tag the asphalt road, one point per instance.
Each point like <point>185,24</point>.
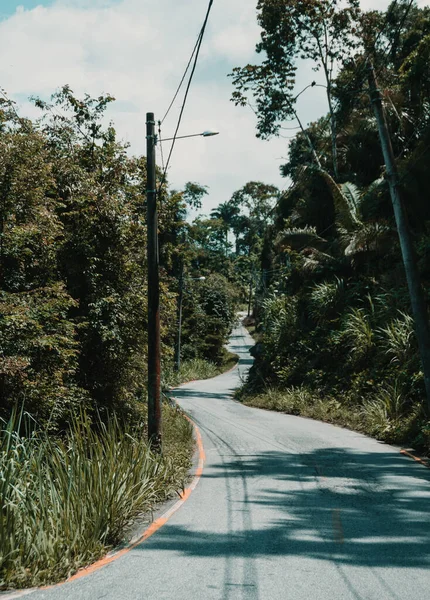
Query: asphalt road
<point>287,508</point>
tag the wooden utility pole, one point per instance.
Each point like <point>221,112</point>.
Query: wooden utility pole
<point>154,353</point>
<point>419,307</point>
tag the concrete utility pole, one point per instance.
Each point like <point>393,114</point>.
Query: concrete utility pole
<point>251,281</point>
<point>419,307</point>
<point>154,353</point>
<point>179,330</point>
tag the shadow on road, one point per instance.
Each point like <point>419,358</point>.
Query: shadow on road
<point>360,513</point>
<point>187,393</point>
<point>340,505</point>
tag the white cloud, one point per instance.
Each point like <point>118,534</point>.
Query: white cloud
<point>137,50</point>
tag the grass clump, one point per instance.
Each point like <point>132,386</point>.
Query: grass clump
<point>301,401</point>
<point>389,416</point>
<point>196,369</point>
<point>386,414</point>
<point>64,502</point>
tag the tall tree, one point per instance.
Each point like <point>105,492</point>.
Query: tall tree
<point>322,31</point>
<point>256,201</point>
<point>226,213</point>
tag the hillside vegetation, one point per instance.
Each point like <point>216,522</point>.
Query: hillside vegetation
<point>332,310</point>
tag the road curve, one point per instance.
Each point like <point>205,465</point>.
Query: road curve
<point>287,508</point>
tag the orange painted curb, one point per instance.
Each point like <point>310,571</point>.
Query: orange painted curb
<point>158,523</point>
<point>149,531</point>
<point>416,458</point>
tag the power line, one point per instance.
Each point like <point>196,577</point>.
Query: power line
<point>182,80</point>
<point>196,56</point>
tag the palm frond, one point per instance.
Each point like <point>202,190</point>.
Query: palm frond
<point>299,238</point>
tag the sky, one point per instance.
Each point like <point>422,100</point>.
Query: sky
<point>137,50</point>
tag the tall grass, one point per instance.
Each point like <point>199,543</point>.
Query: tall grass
<point>388,414</point>
<point>358,333</point>
<point>196,368</point>
<point>302,401</point>
<point>64,502</point>
<point>398,338</point>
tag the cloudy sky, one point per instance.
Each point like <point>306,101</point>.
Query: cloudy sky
<point>137,51</point>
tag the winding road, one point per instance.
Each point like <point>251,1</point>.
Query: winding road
<point>286,508</point>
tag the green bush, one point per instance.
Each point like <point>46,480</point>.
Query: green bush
<point>39,354</point>
<point>64,502</point>
<point>398,338</point>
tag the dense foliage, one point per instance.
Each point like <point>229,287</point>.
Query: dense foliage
<point>332,306</point>
<point>75,466</point>
<point>73,306</point>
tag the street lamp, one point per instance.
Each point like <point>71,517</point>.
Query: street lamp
<point>154,345</point>
<point>179,332</point>
<point>208,133</point>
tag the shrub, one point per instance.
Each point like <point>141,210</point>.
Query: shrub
<point>64,502</point>
<point>398,338</point>
<point>326,300</point>
<point>358,333</point>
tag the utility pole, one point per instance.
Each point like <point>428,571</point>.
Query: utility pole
<point>419,307</point>
<point>179,331</point>
<point>251,278</point>
<point>154,353</point>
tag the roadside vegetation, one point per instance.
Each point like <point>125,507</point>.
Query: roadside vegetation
<point>66,500</point>
<point>195,369</point>
<point>75,467</point>
<point>331,310</point>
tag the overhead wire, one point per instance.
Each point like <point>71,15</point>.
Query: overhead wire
<point>196,57</point>
<point>182,80</point>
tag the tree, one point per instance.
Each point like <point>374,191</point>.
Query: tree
<point>39,347</point>
<point>226,213</point>
<point>255,201</point>
<point>318,30</point>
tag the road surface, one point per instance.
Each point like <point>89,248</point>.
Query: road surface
<point>286,508</point>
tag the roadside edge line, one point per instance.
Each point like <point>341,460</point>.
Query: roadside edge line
<point>422,461</point>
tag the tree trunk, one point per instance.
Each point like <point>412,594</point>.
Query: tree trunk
<point>333,127</point>
<point>419,307</point>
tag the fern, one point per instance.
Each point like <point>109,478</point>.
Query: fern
<point>326,299</point>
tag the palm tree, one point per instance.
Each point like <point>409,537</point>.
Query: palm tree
<point>358,238</point>
<point>225,212</point>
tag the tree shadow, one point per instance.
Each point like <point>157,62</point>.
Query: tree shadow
<point>243,349</point>
<point>186,393</point>
<point>355,508</point>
